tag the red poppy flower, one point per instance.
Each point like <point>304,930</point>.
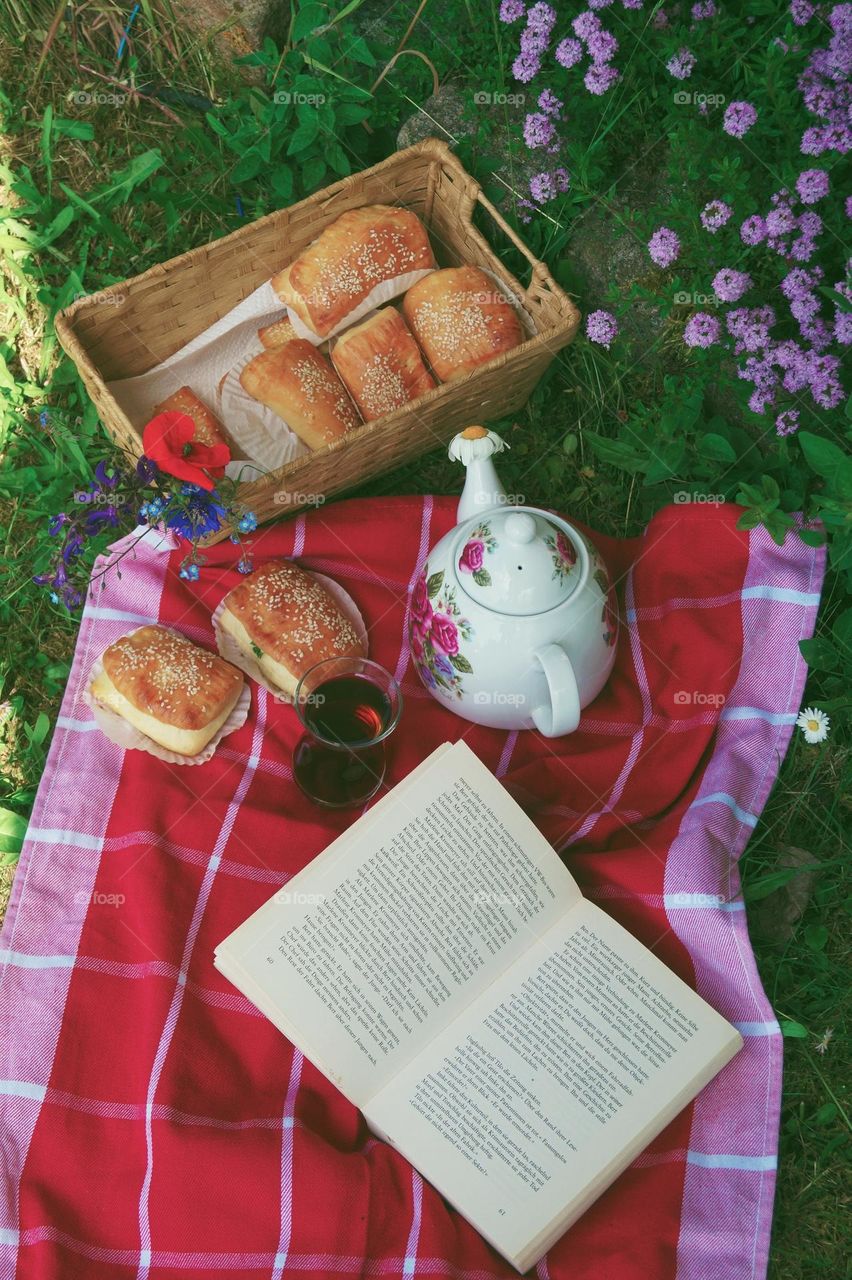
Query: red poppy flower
<point>168,441</point>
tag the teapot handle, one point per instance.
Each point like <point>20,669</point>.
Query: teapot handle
<point>562,713</point>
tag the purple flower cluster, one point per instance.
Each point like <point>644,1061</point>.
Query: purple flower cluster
<point>535,40</point>
<point>801,11</point>
<point>702,330</point>
<point>703,9</point>
<point>681,64</point>
<point>601,327</point>
<point>730,285</point>
<point>591,38</point>
<point>714,215</point>
<point>739,118</point>
<point>540,131</point>
<point>568,52</point>
<point>826,91</point>
<point>546,186</point>
<point>664,247</point>
<point>753,231</point>
<point>787,422</point>
<point>511,10</point>
<point>812,185</point>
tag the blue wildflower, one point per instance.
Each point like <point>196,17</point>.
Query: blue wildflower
<point>107,479</point>
<point>201,513</point>
<point>248,523</point>
<point>146,469</point>
<point>244,565</point>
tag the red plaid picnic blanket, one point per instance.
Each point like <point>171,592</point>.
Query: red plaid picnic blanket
<point>155,1125</point>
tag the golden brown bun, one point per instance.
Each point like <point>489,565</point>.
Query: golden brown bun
<point>208,429</point>
<point>277,333</point>
<point>380,364</point>
<point>460,319</point>
<point>298,383</point>
<point>286,622</point>
<point>358,251</point>
<point>169,688</point>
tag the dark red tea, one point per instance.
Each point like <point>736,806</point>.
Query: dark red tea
<point>344,710</point>
<point>348,709</point>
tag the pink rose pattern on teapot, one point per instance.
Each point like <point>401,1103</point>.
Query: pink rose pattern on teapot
<point>472,558</point>
<point>563,553</point>
<point>437,629</point>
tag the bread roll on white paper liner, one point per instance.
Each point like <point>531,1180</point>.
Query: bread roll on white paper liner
<point>124,734</point>
<point>231,651</point>
<point>260,433</point>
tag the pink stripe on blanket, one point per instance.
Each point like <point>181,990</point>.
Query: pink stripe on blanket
<point>726,1221</point>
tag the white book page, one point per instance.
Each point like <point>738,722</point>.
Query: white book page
<point>417,911</point>
<point>526,1107</point>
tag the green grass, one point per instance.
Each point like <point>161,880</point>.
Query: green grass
<point>189,199</point>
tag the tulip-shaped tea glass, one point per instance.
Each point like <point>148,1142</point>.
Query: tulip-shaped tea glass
<point>348,707</point>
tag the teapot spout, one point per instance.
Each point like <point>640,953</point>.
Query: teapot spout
<point>482,488</point>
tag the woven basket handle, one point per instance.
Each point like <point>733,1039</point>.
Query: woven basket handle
<point>540,274</point>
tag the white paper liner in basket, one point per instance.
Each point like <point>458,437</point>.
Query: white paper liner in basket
<point>231,651</point>
<point>124,734</point>
<point>257,429</point>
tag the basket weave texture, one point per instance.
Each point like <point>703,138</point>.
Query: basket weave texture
<point>153,315</point>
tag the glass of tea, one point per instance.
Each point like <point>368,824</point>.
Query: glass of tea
<point>348,707</point>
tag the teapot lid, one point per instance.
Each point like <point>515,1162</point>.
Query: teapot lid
<point>518,560</point>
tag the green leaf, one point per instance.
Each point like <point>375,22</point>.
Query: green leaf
<point>482,577</point>
<point>460,663</point>
<point>257,651</point>
<point>54,229</point>
<point>13,828</point>
<point>812,537</point>
<point>303,135</point>
<point>282,181</point>
<point>127,179</point>
<point>313,172</point>
<point>36,733</point>
<point>247,167</point>
<point>348,113</point>
<point>433,584</point>
<point>825,1114</point>
<point>615,452</point>
<point>359,50</point>
<point>46,126</point>
<point>74,129</point>
<point>819,653</point>
<point>816,936</point>
<point>716,448</point>
<point>309,17</point>
<point>338,159</point>
<point>823,456</point>
<point>793,1030</point>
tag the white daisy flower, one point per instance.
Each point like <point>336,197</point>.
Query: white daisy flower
<point>475,443</point>
<point>814,724</point>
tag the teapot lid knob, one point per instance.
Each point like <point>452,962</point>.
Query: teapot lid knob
<point>520,527</point>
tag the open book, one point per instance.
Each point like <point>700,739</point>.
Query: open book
<point>439,964</point>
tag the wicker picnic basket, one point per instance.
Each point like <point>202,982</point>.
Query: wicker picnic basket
<point>153,315</point>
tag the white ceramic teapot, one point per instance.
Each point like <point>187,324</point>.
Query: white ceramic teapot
<point>513,621</point>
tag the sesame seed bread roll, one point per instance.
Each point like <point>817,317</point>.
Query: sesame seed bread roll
<point>168,688</point>
<point>365,257</point>
<point>298,383</point>
<point>380,364</point>
<point>286,621</point>
<point>208,429</point>
<point>461,320</point>
<point>276,334</point>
